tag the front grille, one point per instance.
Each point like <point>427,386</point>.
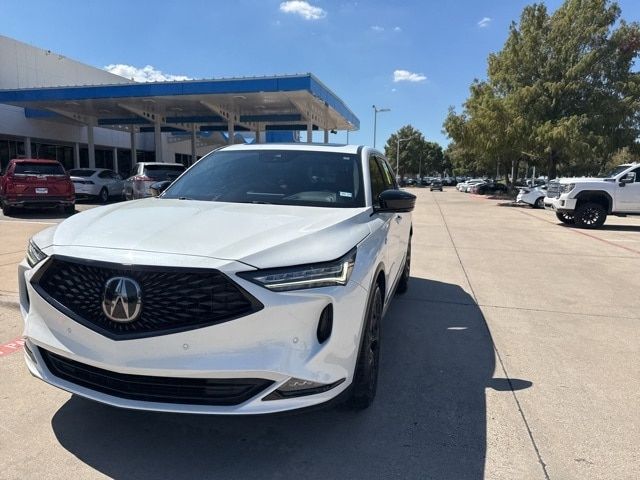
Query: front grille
<point>194,391</point>
<point>173,299</point>
<point>553,189</point>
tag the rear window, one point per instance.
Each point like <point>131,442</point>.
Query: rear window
<point>81,172</point>
<point>163,172</point>
<point>26,168</point>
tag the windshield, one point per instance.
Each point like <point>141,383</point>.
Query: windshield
<point>617,170</point>
<point>27,168</point>
<point>282,177</point>
<point>83,172</point>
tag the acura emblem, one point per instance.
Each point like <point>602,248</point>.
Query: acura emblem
<point>122,299</point>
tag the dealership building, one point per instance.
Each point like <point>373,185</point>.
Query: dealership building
<point>57,108</point>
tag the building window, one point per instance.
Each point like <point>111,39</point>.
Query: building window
<point>10,149</point>
<point>48,151</point>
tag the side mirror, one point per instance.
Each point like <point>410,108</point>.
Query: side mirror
<point>396,201</point>
<point>628,178</point>
<point>159,187</point>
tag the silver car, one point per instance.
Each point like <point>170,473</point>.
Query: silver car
<point>145,174</point>
<point>99,183</point>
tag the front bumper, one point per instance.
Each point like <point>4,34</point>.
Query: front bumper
<point>275,344</point>
<point>560,204</point>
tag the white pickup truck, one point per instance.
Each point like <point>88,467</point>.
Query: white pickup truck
<point>586,202</point>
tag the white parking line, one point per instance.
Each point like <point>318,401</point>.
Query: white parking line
<point>28,221</point>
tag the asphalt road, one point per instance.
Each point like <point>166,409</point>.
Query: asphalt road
<point>514,355</point>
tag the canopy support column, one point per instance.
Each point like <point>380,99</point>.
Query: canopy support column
<point>257,133</point>
<point>194,157</point>
<point>232,131</point>
<point>134,153</point>
<point>326,136</point>
<point>309,132</point>
<point>157,137</point>
<point>76,155</point>
<point>27,147</point>
<point>91,147</point>
<point>115,159</point>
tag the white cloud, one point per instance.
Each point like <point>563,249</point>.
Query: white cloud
<point>397,29</point>
<point>304,9</point>
<point>145,74</point>
<point>377,28</point>
<point>393,89</point>
<point>484,22</point>
<point>407,76</point>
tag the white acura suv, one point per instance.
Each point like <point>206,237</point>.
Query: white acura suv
<point>255,283</point>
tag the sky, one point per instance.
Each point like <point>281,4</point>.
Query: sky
<point>415,57</point>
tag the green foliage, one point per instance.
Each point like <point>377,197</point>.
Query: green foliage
<point>417,155</point>
<point>560,94</point>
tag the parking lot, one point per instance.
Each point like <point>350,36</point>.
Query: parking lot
<point>514,354</point>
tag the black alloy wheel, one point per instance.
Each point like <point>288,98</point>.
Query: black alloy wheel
<point>590,215</point>
<point>403,284</point>
<point>365,381</point>
<point>566,218</point>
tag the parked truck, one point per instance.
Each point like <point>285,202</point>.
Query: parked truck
<point>586,202</point>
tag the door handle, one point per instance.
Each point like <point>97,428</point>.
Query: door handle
<point>398,219</point>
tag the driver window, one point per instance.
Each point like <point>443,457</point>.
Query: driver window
<point>390,184</point>
<point>637,174</point>
<point>377,181</point>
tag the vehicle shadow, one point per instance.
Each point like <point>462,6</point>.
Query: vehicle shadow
<point>428,420</point>
<point>38,214</point>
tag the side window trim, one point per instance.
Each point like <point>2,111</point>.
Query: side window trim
<point>387,173</point>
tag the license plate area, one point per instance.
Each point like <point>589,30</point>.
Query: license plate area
<point>42,191</point>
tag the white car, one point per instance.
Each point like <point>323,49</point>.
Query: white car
<point>254,283</point>
<point>470,183</point>
<point>532,195</point>
<point>99,183</point>
<point>145,174</point>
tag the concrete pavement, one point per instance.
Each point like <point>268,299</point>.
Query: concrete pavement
<point>514,354</point>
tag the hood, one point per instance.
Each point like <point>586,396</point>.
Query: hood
<point>263,236</point>
<point>580,180</point>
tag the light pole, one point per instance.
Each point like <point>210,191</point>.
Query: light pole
<point>398,142</point>
<point>376,110</point>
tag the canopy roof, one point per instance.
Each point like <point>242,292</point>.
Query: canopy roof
<point>291,102</point>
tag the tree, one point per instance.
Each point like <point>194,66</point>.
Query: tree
<point>417,155</point>
<point>561,91</point>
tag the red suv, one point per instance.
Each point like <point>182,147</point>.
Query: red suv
<point>36,183</point>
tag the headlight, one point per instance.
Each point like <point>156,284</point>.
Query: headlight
<point>336,272</point>
<point>34,254</point>
<point>567,187</point>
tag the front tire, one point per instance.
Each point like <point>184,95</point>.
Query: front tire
<point>403,284</point>
<point>590,215</point>
<point>365,377</point>
<point>566,218</point>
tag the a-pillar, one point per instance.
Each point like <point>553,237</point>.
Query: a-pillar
<point>91,147</point>
<point>309,132</point>
<point>134,152</point>
<point>76,155</point>
<point>115,159</point>
<point>231,129</point>
<point>27,147</point>
<point>157,137</point>
<point>193,144</point>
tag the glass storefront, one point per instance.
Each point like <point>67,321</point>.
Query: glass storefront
<point>10,149</point>
<point>47,151</point>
